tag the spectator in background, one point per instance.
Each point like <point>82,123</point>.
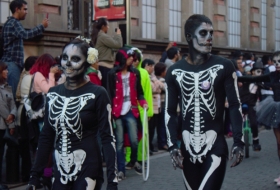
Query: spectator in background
<point>43,72</point>
<point>173,55</point>
<point>93,73</point>
<point>7,113</point>
<point>164,54</point>
<point>157,87</point>
<point>248,62</point>
<point>105,45</point>
<point>13,35</point>
<point>268,68</point>
<point>125,91</point>
<point>160,72</point>
<point>148,96</point>
<point>25,129</point>
<point>29,62</point>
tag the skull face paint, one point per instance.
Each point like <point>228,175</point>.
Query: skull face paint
<point>202,39</point>
<point>276,61</point>
<point>73,61</point>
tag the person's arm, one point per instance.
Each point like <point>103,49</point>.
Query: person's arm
<point>262,78</point>
<point>171,102</point>
<point>20,32</point>
<point>140,93</point>
<point>148,95</point>
<point>163,57</point>
<point>115,42</point>
<point>103,109</point>
<point>45,147</point>
<point>42,83</point>
<point>231,89</point>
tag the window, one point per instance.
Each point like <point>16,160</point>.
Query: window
<point>149,19</point>
<point>277,25</point>
<point>263,25</point>
<point>198,6</point>
<point>175,20</point>
<point>234,23</point>
<point>4,10</point>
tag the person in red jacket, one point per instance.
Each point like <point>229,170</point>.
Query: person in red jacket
<point>125,91</point>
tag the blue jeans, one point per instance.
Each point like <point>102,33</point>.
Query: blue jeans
<point>14,72</point>
<point>130,122</point>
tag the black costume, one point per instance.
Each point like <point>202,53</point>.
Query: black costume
<point>201,91</point>
<point>72,120</point>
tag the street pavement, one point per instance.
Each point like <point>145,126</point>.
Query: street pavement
<point>254,173</point>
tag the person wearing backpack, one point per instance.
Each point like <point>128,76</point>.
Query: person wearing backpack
<point>13,35</point>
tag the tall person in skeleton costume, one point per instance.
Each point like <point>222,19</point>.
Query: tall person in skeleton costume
<point>201,82</point>
<point>75,111</point>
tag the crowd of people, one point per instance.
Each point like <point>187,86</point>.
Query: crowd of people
<point>94,100</point>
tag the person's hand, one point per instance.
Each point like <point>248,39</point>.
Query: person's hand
<point>54,69</point>
<point>145,106</point>
<point>119,31</point>
<point>12,131</point>
<point>45,22</point>
<point>169,46</point>
<point>10,119</point>
<point>239,154</point>
<point>176,158</point>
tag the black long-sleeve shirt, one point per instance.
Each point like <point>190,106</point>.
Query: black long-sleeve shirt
<point>72,120</point>
<point>200,91</point>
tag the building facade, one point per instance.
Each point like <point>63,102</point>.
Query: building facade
<point>247,25</point>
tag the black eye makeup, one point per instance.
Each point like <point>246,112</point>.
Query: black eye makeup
<point>75,58</point>
<point>203,32</point>
<point>64,57</point>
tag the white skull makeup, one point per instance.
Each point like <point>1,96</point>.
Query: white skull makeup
<point>202,38</point>
<point>257,72</point>
<point>72,61</point>
<point>276,61</point>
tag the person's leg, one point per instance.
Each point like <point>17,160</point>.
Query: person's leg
<point>213,171</point>
<point>14,72</point>
<point>162,139</point>
<point>131,124</point>
<point>277,135</point>
<point>119,144</point>
<point>254,126</point>
<point>24,152</point>
<point>152,126</point>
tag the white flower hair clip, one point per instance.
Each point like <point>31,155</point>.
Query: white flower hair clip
<point>87,40</point>
<point>92,55</point>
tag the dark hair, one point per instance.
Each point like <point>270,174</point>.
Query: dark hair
<point>43,65</point>
<point>236,54</point>
<point>247,56</point>
<point>171,52</point>
<point>266,58</point>
<point>159,68</point>
<point>193,23</point>
<point>121,57</point>
<point>147,62</point>
<point>138,56</point>
<point>97,25</point>
<point>3,66</point>
<point>276,53</point>
<point>29,62</point>
<point>16,4</point>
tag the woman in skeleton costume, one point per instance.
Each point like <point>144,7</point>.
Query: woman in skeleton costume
<point>75,111</point>
<point>201,82</point>
<point>269,109</point>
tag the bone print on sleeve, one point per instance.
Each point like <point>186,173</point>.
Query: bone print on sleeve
<point>107,137</point>
<point>171,102</point>
<point>230,85</point>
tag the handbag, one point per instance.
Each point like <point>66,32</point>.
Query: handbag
<point>11,138</point>
<point>34,103</point>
